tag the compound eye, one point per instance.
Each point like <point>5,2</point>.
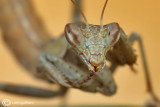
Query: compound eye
<point>73,34</point>
<point>113,33</point>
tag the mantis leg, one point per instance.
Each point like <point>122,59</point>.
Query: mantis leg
<point>135,37</point>
<point>122,53</point>
<point>32,91</point>
<point>70,75</point>
<point>62,72</point>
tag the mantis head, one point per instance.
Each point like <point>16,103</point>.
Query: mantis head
<point>92,41</point>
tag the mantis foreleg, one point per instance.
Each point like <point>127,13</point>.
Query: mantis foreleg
<point>123,53</point>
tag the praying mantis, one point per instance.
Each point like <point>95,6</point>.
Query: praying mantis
<point>78,58</point>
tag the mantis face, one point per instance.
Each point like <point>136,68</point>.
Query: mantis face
<point>92,42</point>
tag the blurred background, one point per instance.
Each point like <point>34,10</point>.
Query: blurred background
<point>141,16</point>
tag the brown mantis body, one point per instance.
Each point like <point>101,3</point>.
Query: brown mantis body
<point>84,69</point>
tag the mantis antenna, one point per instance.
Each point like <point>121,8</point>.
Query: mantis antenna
<point>101,20</point>
<point>80,12</point>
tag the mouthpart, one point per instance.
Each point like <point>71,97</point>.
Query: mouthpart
<point>94,66</point>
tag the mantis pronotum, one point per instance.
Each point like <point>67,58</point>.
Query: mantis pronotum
<point>94,45</point>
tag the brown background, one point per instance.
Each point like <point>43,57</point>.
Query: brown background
<point>141,16</point>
